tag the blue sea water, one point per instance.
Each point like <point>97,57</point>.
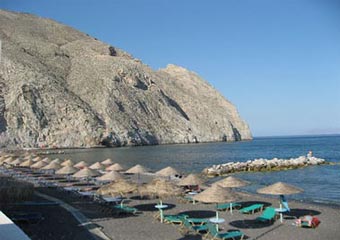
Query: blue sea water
<point>320,183</point>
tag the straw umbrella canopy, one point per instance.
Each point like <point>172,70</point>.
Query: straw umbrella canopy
<point>137,169</point>
<point>36,159</point>
<point>115,167</point>
<point>231,182</point>
<point>57,160</point>
<point>16,162</point>
<point>67,162</point>
<point>46,160</point>
<point>80,164</point>
<point>107,162</point>
<point>110,176</point>
<point>280,188</point>
<point>26,163</point>
<point>86,173</point>
<point>8,160</point>
<point>119,187</point>
<point>97,166</point>
<point>190,180</point>
<point>167,172</point>
<point>163,189</point>
<point>67,170</point>
<point>52,166</point>
<point>38,165</point>
<point>217,194</point>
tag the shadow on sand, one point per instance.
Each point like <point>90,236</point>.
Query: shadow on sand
<point>199,214</point>
<point>151,207</point>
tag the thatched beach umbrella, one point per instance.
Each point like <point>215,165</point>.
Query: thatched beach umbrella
<point>26,163</point>
<point>38,165</point>
<point>86,173</point>
<point>190,180</point>
<point>167,172</point>
<point>67,170</point>
<point>16,162</point>
<point>9,160</point>
<point>281,189</point>
<point>110,176</point>
<point>217,194</point>
<point>137,169</point>
<point>119,187</point>
<point>67,162</point>
<point>36,159</point>
<point>97,166</point>
<point>231,182</point>
<point>107,162</point>
<point>57,160</point>
<point>52,166</point>
<point>46,160</point>
<point>80,164</point>
<point>115,167</point>
<point>163,189</point>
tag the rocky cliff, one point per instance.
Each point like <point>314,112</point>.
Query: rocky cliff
<point>62,88</point>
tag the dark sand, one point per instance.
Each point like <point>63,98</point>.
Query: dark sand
<point>59,224</point>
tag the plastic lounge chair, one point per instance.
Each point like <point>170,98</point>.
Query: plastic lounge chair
<point>212,231</point>
<point>252,208</point>
<point>175,219</point>
<point>196,228</point>
<point>268,215</point>
<point>226,206</point>
<point>198,221</point>
<point>125,209</point>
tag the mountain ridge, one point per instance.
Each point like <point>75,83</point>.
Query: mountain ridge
<point>62,88</point>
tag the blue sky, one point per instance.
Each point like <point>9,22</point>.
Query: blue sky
<point>278,61</point>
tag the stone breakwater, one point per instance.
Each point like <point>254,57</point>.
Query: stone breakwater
<point>261,164</point>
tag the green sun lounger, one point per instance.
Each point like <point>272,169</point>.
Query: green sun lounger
<point>198,221</point>
<point>191,227</point>
<point>176,219</point>
<point>226,206</point>
<point>125,209</point>
<point>252,208</point>
<point>212,231</point>
<point>268,215</point>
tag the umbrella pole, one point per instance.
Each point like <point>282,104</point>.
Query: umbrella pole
<point>231,208</point>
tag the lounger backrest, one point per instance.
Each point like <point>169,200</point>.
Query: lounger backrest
<point>212,229</point>
<point>269,212</point>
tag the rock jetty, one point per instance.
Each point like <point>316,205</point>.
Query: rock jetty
<point>259,165</point>
<point>61,88</point>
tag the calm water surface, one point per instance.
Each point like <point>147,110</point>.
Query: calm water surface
<point>321,183</point>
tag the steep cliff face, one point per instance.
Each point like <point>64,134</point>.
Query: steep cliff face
<point>62,88</point>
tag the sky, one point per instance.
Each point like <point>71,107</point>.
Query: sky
<point>278,61</point>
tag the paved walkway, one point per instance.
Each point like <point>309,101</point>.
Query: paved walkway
<point>85,222</point>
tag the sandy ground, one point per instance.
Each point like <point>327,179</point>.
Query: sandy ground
<point>59,224</point>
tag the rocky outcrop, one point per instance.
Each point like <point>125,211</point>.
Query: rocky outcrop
<point>63,88</point>
<point>258,165</point>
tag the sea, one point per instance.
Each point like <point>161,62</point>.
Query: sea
<point>321,184</point>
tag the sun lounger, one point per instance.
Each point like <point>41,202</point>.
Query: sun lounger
<point>226,206</point>
<point>125,209</point>
<point>268,215</point>
<point>196,228</point>
<point>252,208</point>
<point>212,231</point>
<point>198,221</point>
<point>175,219</point>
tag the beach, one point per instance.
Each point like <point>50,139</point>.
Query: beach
<point>145,226</point>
